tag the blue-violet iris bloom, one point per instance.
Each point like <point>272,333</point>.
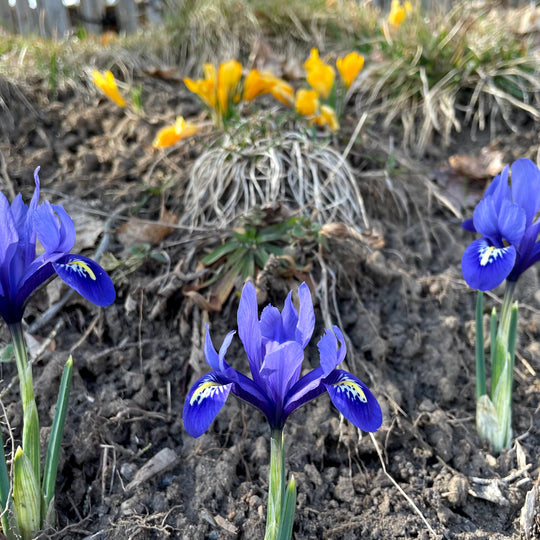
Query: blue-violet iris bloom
<point>22,272</point>
<point>275,349</point>
<point>505,218</point>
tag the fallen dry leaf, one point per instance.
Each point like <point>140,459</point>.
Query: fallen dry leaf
<point>487,164</point>
<point>138,231</point>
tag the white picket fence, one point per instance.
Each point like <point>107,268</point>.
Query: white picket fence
<point>51,18</point>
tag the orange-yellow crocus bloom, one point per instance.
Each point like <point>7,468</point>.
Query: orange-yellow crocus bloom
<point>307,102</point>
<point>205,88</point>
<point>170,135</point>
<point>228,81</point>
<point>349,67</point>
<point>321,78</point>
<point>106,83</point>
<point>327,117</point>
<point>313,61</point>
<point>398,13</point>
<point>257,84</point>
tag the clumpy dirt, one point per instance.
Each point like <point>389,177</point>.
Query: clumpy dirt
<point>129,470</point>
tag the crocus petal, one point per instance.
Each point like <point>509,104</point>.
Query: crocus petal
<point>353,400</point>
<point>306,316</point>
<point>330,356</point>
<point>526,187</point>
<point>204,401</point>
<point>249,330</point>
<point>511,222</point>
<point>87,278</point>
<point>484,266</point>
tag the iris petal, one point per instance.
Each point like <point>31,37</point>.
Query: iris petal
<point>281,369</point>
<point>511,222</point>
<point>306,318</point>
<point>330,356</point>
<point>353,400</point>
<point>87,278</point>
<point>54,231</point>
<point>485,219</point>
<point>249,329</point>
<point>484,266</point>
<point>526,187</point>
<point>204,401</point>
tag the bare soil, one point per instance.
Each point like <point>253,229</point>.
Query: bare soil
<point>407,313</point>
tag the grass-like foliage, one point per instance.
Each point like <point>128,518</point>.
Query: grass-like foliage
<point>262,162</point>
<point>439,71</point>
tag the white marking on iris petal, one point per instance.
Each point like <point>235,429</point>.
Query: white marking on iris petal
<point>81,268</point>
<point>206,390</point>
<point>489,254</point>
<point>352,389</point>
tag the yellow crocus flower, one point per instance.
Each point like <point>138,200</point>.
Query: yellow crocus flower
<point>170,135</point>
<point>106,83</point>
<point>398,13</point>
<point>228,81</point>
<point>327,117</point>
<point>313,61</point>
<point>283,92</point>
<point>204,88</point>
<point>321,78</point>
<point>307,102</point>
<point>254,85</point>
<point>349,67</point>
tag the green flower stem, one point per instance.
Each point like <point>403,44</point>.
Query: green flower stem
<point>30,439</point>
<point>24,368</point>
<point>281,497</point>
<point>276,485</point>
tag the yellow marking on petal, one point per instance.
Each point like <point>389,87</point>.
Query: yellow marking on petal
<point>354,387</point>
<point>486,255</point>
<point>84,267</point>
<point>202,389</point>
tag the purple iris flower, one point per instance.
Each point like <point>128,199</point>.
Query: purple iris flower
<point>22,272</point>
<point>505,218</point>
<point>275,349</point>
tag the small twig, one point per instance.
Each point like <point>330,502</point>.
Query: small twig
<point>399,488</point>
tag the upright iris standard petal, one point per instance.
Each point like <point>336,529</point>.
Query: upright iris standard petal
<point>526,187</point>
<point>87,278</point>
<point>204,401</point>
<point>22,271</point>
<point>353,400</point>
<point>275,348</point>
<point>505,218</point>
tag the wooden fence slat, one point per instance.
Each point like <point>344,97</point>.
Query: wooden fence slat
<point>6,16</point>
<point>27,19</point>
<point>126,12</point>
<point>92,13</point>
<point>55,16</point>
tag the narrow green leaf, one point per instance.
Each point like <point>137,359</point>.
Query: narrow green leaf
<point>492,337</point>
<point>219,252</point>
<point>26,495</point>
<point>11,530</point>
<point>480,357</point>
<point>287,515</point>
<point>57,430</point>
<point>30,438</point>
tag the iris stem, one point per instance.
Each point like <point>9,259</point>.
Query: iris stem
<point>276,484</point>
<point>30,436</point>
